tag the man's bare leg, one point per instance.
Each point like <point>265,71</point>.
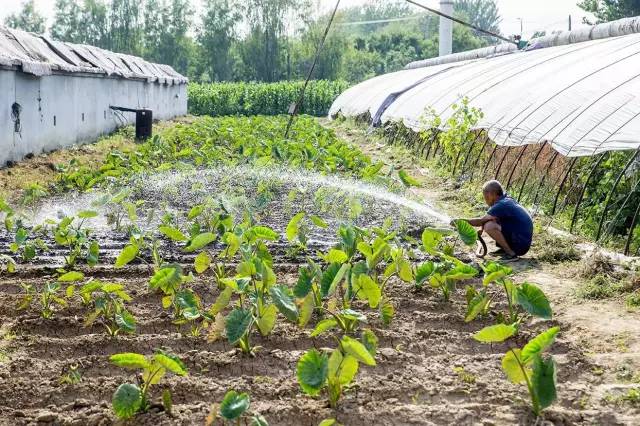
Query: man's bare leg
<point>495,231</point>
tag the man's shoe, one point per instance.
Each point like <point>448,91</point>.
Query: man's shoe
<point>499,252</point>
<point>509,258</point>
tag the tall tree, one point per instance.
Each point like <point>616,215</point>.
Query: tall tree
<point>68,24</point>
<point>28,19</point>
<point>610,10</point>
<point>95,24</point>
<point>216,36</point>
<point>125,30</point>
<point>481,13</point>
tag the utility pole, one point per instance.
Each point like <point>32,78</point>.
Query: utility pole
<point>521,26</point>
<point>446,28</point>
<point>569,22</point>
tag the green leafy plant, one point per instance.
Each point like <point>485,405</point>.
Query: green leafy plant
<point>527,365</point>
<point>234,408</point>
<point>47,300</point>
<point>130,399</point>
<point>524,297</point>
<point>336,371</point>
<point>71,233</point>
<point>107,301</point>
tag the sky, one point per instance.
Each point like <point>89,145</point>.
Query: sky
<point>536,15</point>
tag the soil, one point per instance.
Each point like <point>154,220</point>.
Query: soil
<point>430,370</point>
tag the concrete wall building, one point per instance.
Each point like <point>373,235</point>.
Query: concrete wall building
<point>55,94</point>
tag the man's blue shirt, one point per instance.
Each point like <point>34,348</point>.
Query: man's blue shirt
<point>516,223</point>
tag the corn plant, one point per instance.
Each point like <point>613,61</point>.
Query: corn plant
<point>527,365</point>
<point>334,372</point>
<point>107,301</point>
<point>130,399</point>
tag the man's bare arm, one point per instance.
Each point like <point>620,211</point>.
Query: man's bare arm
<point>480,221</point>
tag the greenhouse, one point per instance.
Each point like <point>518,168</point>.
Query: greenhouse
<point>58,94</point>
<point>573,94</point>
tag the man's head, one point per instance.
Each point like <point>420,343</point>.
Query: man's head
<point>492,192</point>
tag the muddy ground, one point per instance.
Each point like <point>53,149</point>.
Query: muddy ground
<point>430,370</point>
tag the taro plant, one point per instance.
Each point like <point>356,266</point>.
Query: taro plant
<point>71,233</point>
<point>521,298</point>
<point>234,408</point>
<point>130,399</point>
<point>298,228</point>
<point>335,372</point>
<point>47,301</point>
<point>25,246</point>
<point>446,270</point>
<point>107,301</point>
<point>527,365</point>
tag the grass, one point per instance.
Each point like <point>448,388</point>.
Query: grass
<point>554,249</point>
<point>604,279</point>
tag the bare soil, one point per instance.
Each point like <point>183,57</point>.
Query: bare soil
<point>430,370</point>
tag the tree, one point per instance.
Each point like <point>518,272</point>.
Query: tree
<point>95,24</point>
<point>68,22</point>
<point>216,37</point>
<point>28,19</point>
<point>125,29</point>
<point>610,10</point>
<point>481,13</point>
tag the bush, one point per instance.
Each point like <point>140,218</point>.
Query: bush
<point>220,99</point>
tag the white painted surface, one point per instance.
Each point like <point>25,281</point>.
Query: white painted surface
<point>446,28</point>
<point>67,97</point>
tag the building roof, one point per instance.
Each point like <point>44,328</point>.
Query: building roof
<point>39,55</point>
<point>582,98</point>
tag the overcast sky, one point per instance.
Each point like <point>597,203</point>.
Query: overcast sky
<point>537,15</point>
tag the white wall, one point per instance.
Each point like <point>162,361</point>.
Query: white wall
<point>67,98</point>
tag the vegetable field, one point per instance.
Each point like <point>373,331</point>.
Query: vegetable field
<point>220,274</point>
<point>220,99</point>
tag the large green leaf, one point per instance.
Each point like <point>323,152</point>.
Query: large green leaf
<point>370,341</point>
<point>476,306</point>
<point>264,233</point>
<point>170,362</point>
<point>332,277</point>
<point>167,279</point>
<point>495,333</point>
<point>267,319</point>
<point>303,287</point>
<point>173,233</point>
<point>324,325</point>
<point>511,365</point>
<point>222,301</point>
<point>543,381</point>
<point>539,343</point>
<point>200,241</point>
<point>202,262</point>
<point>237,324</point>
<point>283,299</point>
<point>293,228</point>
<point>130,360</point>
<point>406,179</point>
<point>234,405</point>
<point>126,321</point>
<point>365,288</point>
<point>127,400</point>
<point>336,256</point>
<point>87,214</point>
<point>424,271</point>
<point>356,349</point>
<point>467,233</point>
<point>127,254</point>
<point>69,277</point>
<point>312,371</point>
<point>343,369</point>
<point>462,272</point>
<point>430,240</point>
<point>534,301</point>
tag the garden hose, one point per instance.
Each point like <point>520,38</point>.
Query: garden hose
<point>481,250</point>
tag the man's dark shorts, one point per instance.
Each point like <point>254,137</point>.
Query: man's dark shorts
<point>516,224</point>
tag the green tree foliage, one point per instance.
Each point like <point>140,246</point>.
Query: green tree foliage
<point>28,19</point>
<point>481,13</point>
<point>216,37</point>
<point>610,10</point>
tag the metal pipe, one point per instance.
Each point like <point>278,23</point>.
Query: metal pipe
<point>584,190</point>
<point>486,168</point>
<point>613,190</point>
<point>564,180</point>
<point>627,246</point>
<point>504,157</point>
<point>526,176</point>
<point>473,144</point>
<point>477,160</point>
<point>544,176</point>
<point>626,200</point>
<point>515,166</point>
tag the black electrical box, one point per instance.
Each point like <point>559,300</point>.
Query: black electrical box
<point>144,123</point>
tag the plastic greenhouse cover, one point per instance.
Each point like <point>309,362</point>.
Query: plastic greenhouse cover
<point>39,55</point>
<point>581,98</point>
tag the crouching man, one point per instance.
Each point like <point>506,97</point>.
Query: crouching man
<point>507,222</point>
